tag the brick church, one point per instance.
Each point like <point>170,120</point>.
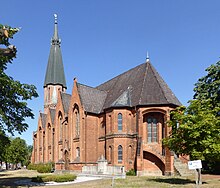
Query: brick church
<point>123,119</point>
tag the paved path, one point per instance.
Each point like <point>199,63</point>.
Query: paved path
<point>28,182</point>
<point>23,178</point>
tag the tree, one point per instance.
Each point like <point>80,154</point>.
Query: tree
<point>17,152</point>
<point>4,143</point>
<point>196,128</point>
<point>28,156</point>
<point>13,94</point>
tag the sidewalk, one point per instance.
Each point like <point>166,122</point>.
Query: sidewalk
<point>28,182</point>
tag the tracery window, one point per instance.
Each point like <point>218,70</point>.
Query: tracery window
<point>120,154</point>
<point>152,130</point>
<point>76,121</point>
<point>119,122</point>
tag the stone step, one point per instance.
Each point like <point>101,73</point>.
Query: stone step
<point>182,168</point>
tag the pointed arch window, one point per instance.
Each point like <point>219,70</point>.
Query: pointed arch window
<point>152,130</point>
<point>119,122</point>
<point>53,140</point>
<point>49,134</point>
<point>41,137</point>
<point>77,152</point>
<point>60,127</point>
<point>120,154</point>
<point>110,154</point>
<point>77,123</point>
<point>130,152</point>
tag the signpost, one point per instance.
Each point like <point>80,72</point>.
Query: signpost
<point>197,165</point>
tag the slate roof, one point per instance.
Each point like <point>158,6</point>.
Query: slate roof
<point>141,85</point>
<point>55,71</point>
<point>124,99</point>
<point>91,98</point>
<point>146,87</point>
<point>52,114</point>
<point>66,101</point>
<point>43,118</point>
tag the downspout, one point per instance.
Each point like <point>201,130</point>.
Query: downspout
<point>137,116</point>
<point>105,137</point>
<point>85,137</point>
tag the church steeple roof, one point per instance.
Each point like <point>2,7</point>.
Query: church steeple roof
<point>55,71</point>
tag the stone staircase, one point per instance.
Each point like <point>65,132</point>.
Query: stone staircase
<point>157,152</point>
<point>181,168</point>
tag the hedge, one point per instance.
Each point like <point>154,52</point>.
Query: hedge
<point>55,178</point>
<point>41,168</point>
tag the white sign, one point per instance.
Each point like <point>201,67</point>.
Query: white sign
<point>194,164</point>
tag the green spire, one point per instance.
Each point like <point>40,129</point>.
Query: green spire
<point>55,71</point>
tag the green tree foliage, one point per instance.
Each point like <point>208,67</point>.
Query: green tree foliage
<point>196,128</point>
<point>4,143</point>
<point>13,94</point>
<point>17,152</point>
<point>28,157</point>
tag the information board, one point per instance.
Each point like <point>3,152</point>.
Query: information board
<point>194,164</point>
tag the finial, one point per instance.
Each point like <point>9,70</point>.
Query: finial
<point>55,18</point>
<point>147,58</point>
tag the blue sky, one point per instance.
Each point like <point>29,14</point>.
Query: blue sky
<point>103,38</point>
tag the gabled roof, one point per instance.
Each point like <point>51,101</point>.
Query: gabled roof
<point>55,71</point>
<point>66,101</point>
<point>148,88</point>
<point>92,99</point>
<point>43,118</point>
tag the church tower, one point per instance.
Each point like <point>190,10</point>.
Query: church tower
<point>55,78</point>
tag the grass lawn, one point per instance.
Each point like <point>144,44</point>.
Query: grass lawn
<point>151,182</point>
<point>209,181</point>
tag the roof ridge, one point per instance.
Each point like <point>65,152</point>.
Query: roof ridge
<point>91,87</point>
<point>142,88</point>
<point>63,93</point>
<point>155,71</point>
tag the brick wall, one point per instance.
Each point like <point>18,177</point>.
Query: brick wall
<point>99,135</point>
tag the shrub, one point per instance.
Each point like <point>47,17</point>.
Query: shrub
<point>41,168</point>
<point>44,168</point>
<point>131,172</point>
<point>55,178</point>
<point>30,167</point>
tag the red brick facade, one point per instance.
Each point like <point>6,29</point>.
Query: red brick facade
<point>75,138</point>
